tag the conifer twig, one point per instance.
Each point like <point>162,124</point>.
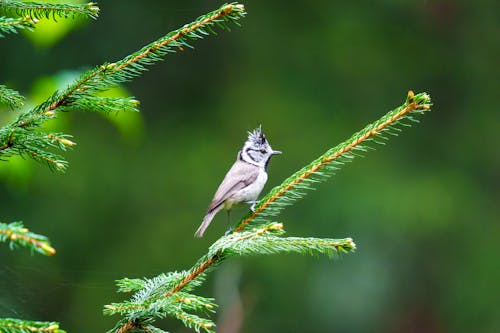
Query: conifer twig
<point>10,97</point>
<point>10,325</point>
<point>132,65</point>
<point>17,235</point>
<point>11,25</point>
<point>39,10</point>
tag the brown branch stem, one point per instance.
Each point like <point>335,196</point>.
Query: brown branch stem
<point>9,142</point>
<point>190,277</point>
<point>44,246</point>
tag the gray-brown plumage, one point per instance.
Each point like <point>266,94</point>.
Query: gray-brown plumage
<point>245,180</point>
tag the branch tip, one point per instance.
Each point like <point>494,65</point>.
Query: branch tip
<point>411,94</point>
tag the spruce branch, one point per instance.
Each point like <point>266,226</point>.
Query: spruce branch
<point>48,10</point>
<point>9,325</point>
<point>255,235</point>
<point>105,104</point>
<point>109,74</point>
<point>295,187</point>
<point>12,25</point>
<point>10,97</point>
<point>16,137</point>
<point>170,294</point>
<point>17,235</point>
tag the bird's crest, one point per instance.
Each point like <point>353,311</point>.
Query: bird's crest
<point>257,137</point>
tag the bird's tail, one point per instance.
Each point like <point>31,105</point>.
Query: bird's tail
<point>206,222</point>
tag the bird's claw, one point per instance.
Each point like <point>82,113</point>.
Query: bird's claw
<point>252,207</point>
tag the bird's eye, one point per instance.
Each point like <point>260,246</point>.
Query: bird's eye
<point>263,151</point>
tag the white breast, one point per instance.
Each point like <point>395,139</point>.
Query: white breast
<point>249,193</point>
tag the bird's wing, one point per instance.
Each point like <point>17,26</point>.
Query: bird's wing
<point>238,177</point>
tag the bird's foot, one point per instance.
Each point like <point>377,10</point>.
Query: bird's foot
<point>253,203</point>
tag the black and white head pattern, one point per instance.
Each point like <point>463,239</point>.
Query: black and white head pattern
<point>256,149</point>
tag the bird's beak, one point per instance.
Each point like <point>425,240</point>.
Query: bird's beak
<point>276,152</point>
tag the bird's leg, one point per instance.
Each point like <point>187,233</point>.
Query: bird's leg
<point>228,231</point>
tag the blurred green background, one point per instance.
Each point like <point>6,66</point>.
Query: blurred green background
<point>423,210</point>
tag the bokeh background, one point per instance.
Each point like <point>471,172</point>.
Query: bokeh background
<point>423,210</point>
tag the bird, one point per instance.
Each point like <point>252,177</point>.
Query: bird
<point>244,181</point>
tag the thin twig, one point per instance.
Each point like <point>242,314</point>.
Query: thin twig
<point>14,236</point>
<point>113,68</point>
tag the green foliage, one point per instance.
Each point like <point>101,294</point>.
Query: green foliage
<point>40,10</point>
<point>9,325</point>
<point>251,243</point>
<point>170,294</point>
<point>106,104</point>
<point>12,25</point>
<point>25,15</point>
<point>17,235</point>
<point>10,97</point>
